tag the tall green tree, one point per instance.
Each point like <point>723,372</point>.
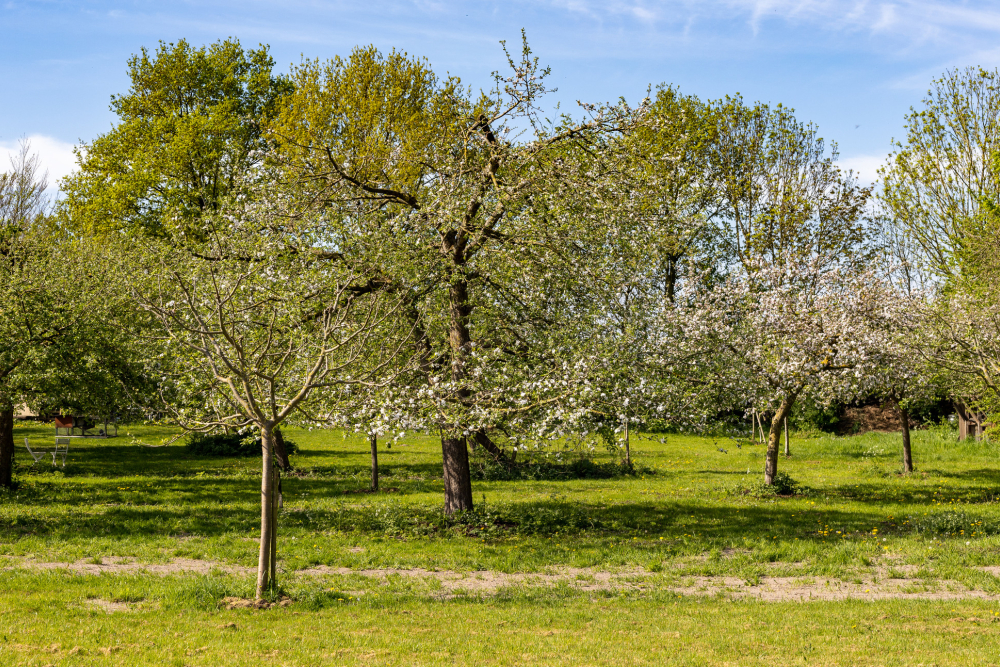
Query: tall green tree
<point>52,303</point>
<point>189,126</point>
<point>937,179</point>
<point>784,195</point>
<point>668,185</point>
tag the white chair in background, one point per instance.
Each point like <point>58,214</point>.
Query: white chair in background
<point>35,455</point>
<point>61,448</point>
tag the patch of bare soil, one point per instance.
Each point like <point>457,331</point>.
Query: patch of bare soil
<point>246,603</point>
<point>109,606</point>
<point>485,581</point>
<point>805,589</point>
<point>115,565</point>
<point>453,583</point>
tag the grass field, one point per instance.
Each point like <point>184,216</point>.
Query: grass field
<point>130,555</point>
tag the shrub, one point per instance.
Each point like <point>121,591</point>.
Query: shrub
<point>811,416</point>
<point>229,444</point>
<point>485,468</point>
<point>486,521</point>
<point>783,485</point>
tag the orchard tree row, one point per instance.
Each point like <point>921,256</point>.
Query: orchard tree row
<point>365,244</point>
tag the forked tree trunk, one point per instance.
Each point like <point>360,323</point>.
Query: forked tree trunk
<point>267,527</point>
<point>7,446</point>
<point>774,436</point>
<point>457,480</point>
<point>374,443</point>
<point>904,419</point>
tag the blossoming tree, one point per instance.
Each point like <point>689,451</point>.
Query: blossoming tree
<point>436,193</point>
<point>250,327</point>
<point>783,332</point>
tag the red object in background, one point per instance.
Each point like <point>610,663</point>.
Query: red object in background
<point>64,422</point>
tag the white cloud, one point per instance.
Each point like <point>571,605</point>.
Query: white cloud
<point>865,167</point>
<point>56,156</point>
<point>909,20</point>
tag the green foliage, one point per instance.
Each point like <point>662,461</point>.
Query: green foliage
<point>189,127</point>
<point>486,468</point>
<point>59,297</point>
<point>229,444</point>
<point>809,415</point>
<point>938,179</point>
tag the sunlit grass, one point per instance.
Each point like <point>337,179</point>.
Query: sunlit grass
<point>687,515</point>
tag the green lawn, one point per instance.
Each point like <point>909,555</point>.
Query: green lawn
<point>675,537</point>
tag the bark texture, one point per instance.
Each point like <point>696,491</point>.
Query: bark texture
<point>774,437</point>
<point>7,447</point>
<point>455,451</point>
<point>267,532</point>
<point>457,480</point>
<point>788,452</point>
<point>628,448</point>
<point>374,444</point>
<point>280,452</point>
<point>904,420</point>
<point>482,439</point>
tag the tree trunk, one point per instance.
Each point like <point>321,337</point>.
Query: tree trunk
<point>904,419</point>
<point>482,439</point>
<point>457,480</point>
<point>275,497</point>
<point>264,581</point>
<point>374,443</point>
<point>771,460</point>
<point>671,278</point>
<point>788,452</point>
<point>628,451</point>
<point>455,451</point>
<point>7,447</point>
<point>280,453</point>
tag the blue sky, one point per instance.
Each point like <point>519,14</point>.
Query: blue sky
<point>852,67</point>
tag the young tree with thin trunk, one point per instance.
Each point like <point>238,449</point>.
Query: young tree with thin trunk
<point>251,328</point>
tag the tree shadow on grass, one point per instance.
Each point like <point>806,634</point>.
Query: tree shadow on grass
<point>225,509</point>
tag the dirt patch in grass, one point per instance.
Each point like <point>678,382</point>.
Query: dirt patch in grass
<point>488,582</point>
<point>805,589</point>
<point>109,606</point>
<point>883,418</point>
<point>479,583</point>
<point>115,565</point>
<point>247,603</point>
